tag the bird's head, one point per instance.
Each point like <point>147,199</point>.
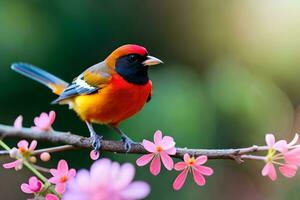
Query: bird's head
<point>131,62</point>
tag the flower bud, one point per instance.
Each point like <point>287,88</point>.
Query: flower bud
<point>32,159</point>
<point>45,156</point>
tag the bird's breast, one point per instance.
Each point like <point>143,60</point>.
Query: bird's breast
<point>114,103</point>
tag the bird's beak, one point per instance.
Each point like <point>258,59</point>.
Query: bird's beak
<point>152,61</point>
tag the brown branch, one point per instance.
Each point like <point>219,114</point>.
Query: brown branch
<point>73,141</point>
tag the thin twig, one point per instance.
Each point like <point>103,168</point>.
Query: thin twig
<point>42,169</point>
<point>49,150</point>
<point>72,141</point>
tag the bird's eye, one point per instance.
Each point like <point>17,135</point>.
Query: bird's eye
<point>133,58</point>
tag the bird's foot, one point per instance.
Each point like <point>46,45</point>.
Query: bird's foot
<point>127,142</point>
<point>96,142</point>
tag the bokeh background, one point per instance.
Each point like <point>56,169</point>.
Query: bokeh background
<point>231,74</point>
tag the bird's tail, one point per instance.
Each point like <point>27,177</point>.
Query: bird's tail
<point>54,83</point>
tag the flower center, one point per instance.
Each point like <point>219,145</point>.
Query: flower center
<point>270,155</point>
<point>63,179</point>
<point>22,150</point>
<point>159,149</point>
<point>191,161</point>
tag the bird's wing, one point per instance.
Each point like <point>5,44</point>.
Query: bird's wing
<point>90,81</point>
<point>150,94</point>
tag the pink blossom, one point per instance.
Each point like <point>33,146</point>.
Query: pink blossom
<point>51,197</point>
<point>94,155</point>
<point>106,180</point>
<point>34,185</point>
<point>160,149</point>
<point>61,175</point>
<point>44,121</point>
<point>194,165</point>
<point>25,148</point>
<point>23,152</point>
<point>279,154</point>
<point>18,124</point>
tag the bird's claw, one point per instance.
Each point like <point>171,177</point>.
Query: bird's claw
<point>97,142</point>
<point>127,142</point>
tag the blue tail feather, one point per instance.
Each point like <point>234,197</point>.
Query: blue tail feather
<point>37,74</point>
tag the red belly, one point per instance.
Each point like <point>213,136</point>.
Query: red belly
<point>114,103</point>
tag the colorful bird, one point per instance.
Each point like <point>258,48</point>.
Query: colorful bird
<point>106,93</point>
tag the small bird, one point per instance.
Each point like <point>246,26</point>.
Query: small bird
<point>108,92</point>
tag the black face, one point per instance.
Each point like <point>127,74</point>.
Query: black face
<point>130,67</point>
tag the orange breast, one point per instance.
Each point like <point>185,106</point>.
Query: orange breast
<point>113,103</point>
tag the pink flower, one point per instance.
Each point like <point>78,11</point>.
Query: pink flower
<point>279,154</point>
<point>160,149</point>
<point>51,197</point>
<point>34,185</point>
<point>106,180</point>
<point>18,124</point>
<point>190,164</point>
<point>25,149</point>
<point>61,175</point>
<point>23,152</point>
<point>44,121</point>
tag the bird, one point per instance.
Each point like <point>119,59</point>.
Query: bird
<point>106,93</point>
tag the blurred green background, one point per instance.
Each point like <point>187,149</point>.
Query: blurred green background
<point>231,74</point>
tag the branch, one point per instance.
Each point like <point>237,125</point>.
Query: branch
<point>73,141</point>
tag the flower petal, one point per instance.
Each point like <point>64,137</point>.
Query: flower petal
<point>126,175</point>
<point>144,160</point>
<point>51,197</point>
<point>201,160</point>
<point>60,188</point>
<point>149,146</point>
<point>136,190</point>
<point>23,144</point>
<point>33,145</point>
<point>71,173</point>
<point>171,151</point>
<point>265,170</point>
<point>167,160</point>
<point>295,140</point>
<point>157,137</point>
<point>55,172</point>
<point>18,124</point>
<point>207,171</point>
<point>33,180</point>
<point>293,153</point>
<point>52,116</point>
<point>155,166</point>
<point>12,164</point>
<point>167,142</point>
<point>82,180</point>
<point>288,170</point>
<point>270,140</point>
<point>180,179</point>
<point>293,157</point>
<point>272,173</point>
<point>198,177</point>
<point>180,166</point>
<point>100,171</point>
<point>63,166</point>
<point>25,188</point>
<point>186,157</point>
<point>281,146</point>
<point>54,180</point>
<point>269,170</point>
